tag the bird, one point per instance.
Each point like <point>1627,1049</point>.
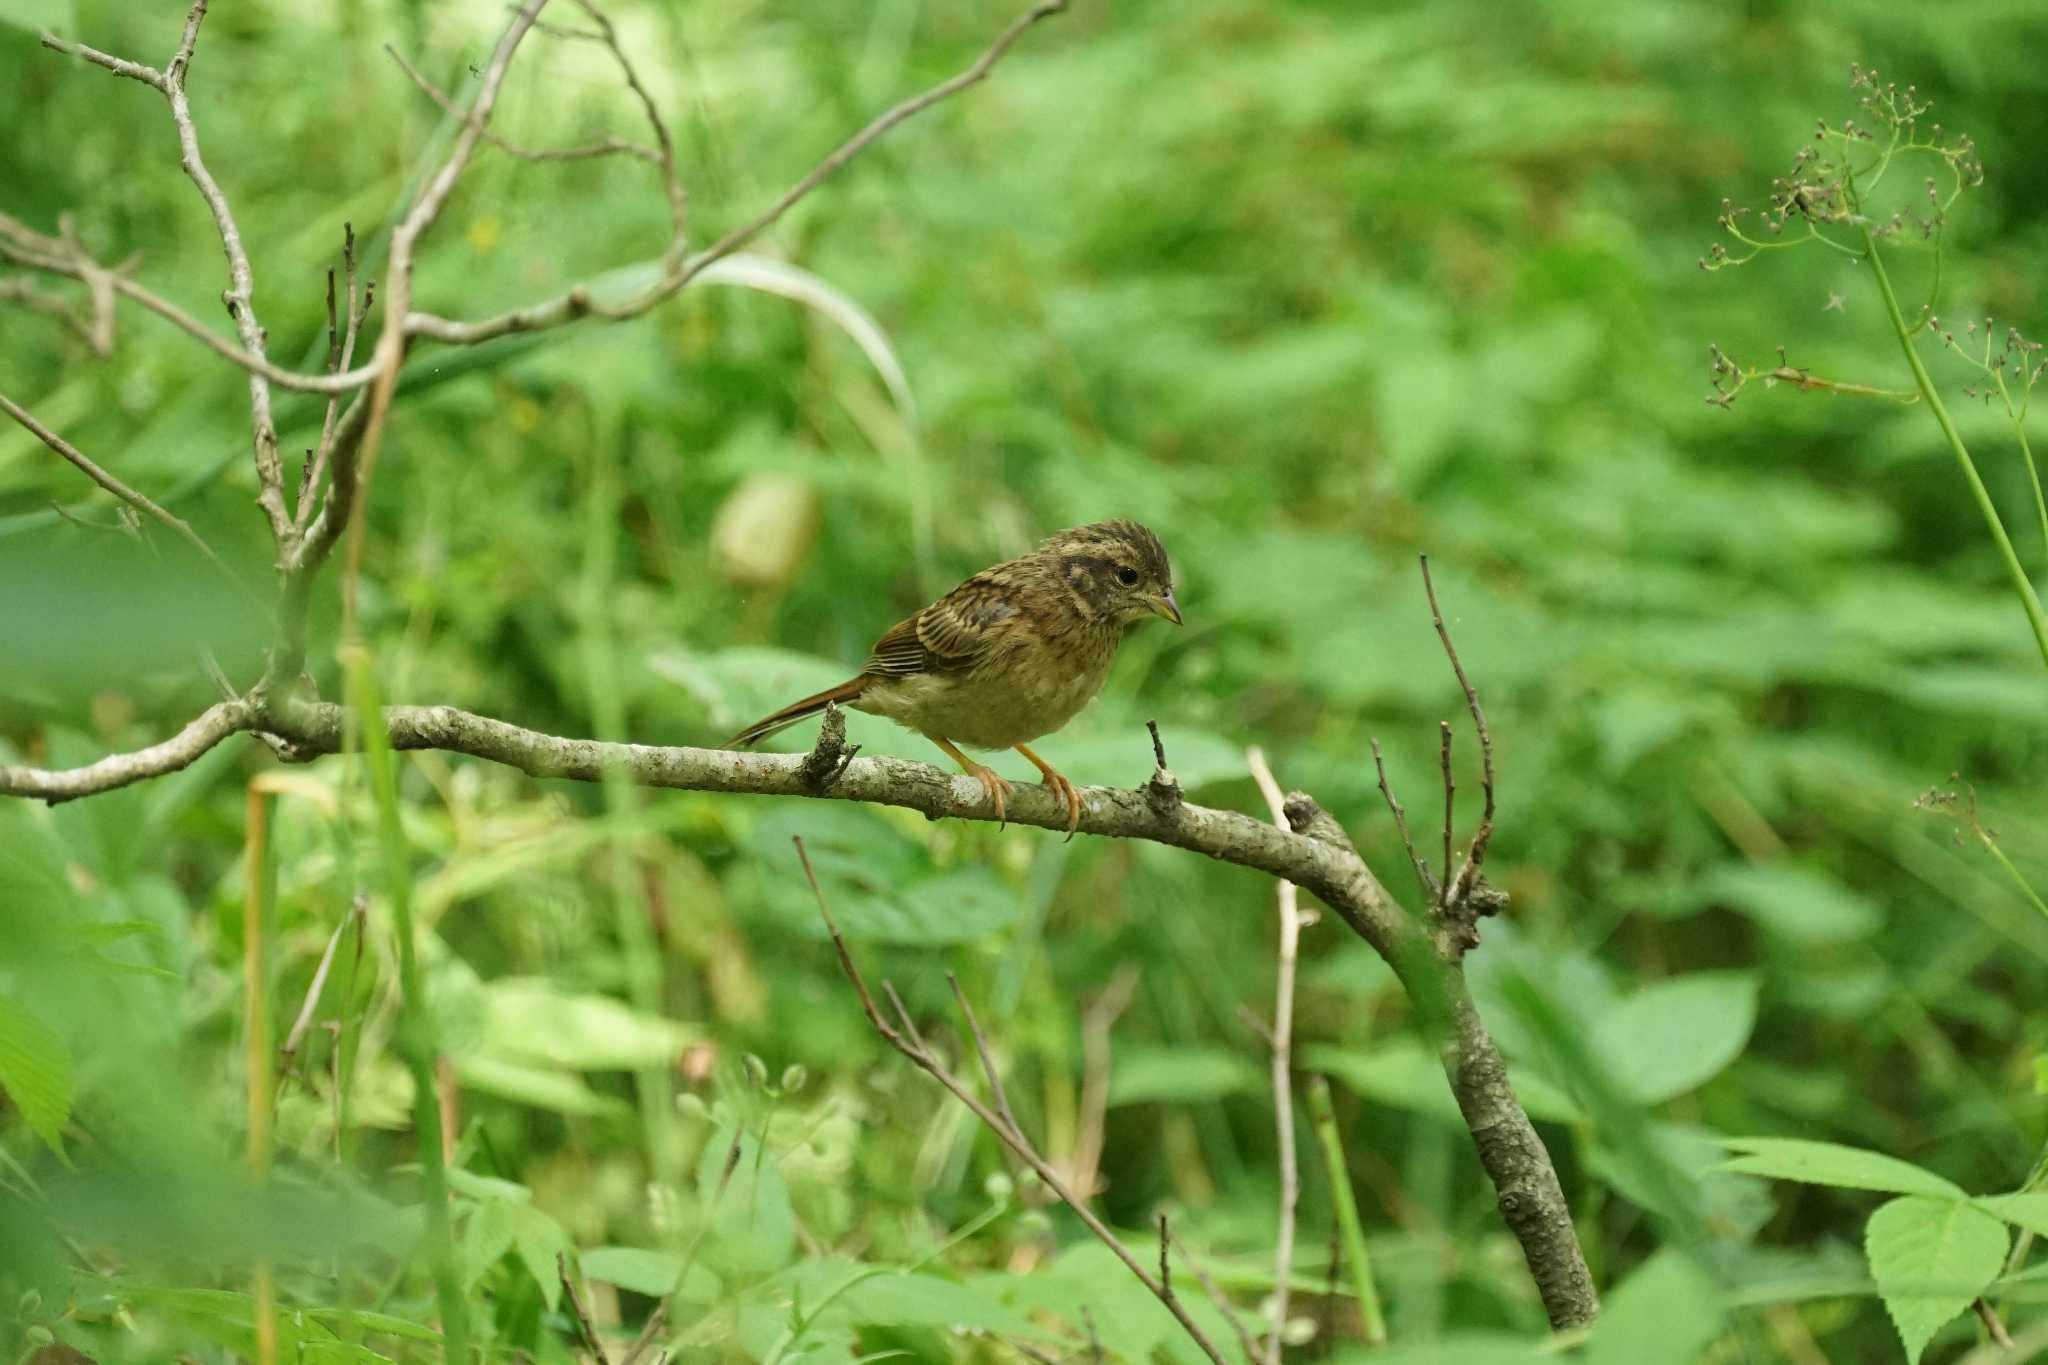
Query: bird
<point>1010,655</point>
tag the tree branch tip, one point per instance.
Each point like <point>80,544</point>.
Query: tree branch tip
<point>1162,789</point>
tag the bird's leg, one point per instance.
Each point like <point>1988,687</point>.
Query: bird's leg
<point>992,782</point>
<point>1061,788</point>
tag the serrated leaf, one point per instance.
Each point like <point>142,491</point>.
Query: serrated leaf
<point>1828,1163</point>
<point>1930,1258</point>
<point>1677,1034</point>
<point>35,1071</point>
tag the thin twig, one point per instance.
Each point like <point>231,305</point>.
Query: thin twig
<point>988,1062</point>
<point>1450,813</point>
<point>356,307</point>
<point>611,146</point>
<point>1422,880</point>
<point>297,1035</point>
<point>134,71</point>
<point>1282,1059</point>
<point>25,246</point>
<point>1475,853</point>
<point>140,501</point>
<point>240,297</point>
<point>1993,1325</point>
<point>1221,1303</point>
<point>855,145</point>
<point>584,1326</point>
<point>996,1123</point>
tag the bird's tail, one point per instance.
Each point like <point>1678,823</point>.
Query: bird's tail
<point>796,711</point>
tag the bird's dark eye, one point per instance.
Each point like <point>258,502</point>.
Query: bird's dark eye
<point>1127,575</point>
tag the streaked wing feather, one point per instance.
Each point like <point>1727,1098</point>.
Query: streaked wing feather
<point>949,636</point>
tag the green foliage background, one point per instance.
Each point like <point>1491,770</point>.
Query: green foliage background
<point>1309,288</point>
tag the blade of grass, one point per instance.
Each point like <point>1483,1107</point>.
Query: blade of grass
<point>1351,1231</point>
<point>416,1029</point>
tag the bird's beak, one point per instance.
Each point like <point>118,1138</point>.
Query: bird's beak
<point>1164,605</point>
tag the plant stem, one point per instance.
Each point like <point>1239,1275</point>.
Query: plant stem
<point>1324,1120</point>
<point>416,1032</point>
<point>2021,584</point>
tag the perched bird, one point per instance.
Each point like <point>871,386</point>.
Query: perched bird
<point>1011,654</point>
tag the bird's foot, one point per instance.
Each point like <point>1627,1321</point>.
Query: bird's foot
<point>1061,787</point>
<point>1069,797</point>
<point>996,785</point>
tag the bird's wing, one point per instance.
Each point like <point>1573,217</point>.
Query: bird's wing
<point>951,635</point>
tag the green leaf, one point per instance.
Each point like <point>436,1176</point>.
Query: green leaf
<point>540,1241</point>
<point>486,1237</point>
<point>1676,1034</point>
<point>32,865</point>
<point>35,1071</point>
<point>1828,1163</point>
<point>1178,1075</point>
<point>1668,1310</point>
<point>1794,902</point>
<point>2029,1209</point>
<point>652,1273</point>
<point>917,1300</point>
<point>562,1091</point>
<point>1930,1258</point>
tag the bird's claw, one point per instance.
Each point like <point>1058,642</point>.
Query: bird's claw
<point>998,788</point>
<point>1069,797</point>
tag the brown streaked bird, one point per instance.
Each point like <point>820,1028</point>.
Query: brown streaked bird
<point>1011,654</point>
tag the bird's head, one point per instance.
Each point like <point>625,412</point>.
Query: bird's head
<point>1117,569</point>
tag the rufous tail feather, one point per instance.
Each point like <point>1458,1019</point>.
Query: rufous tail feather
<point>796,711</point>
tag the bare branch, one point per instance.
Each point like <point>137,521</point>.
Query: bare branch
<point>1422,878</point>
<point>354,307</point>
<point>611,146</point>
<point>576,302</point>
<point>1217,1298</point>
<point>180,751</point>
<point>21,244</point>
<point>1282,1039</point>
<point>140,501</point>
<point>988,1061</point>
<point>240,297</point>
<point>134,71</point>
<point>1450,810</point>
<point>1476,851</point>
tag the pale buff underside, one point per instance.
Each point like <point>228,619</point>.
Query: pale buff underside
<point>1004,702</point>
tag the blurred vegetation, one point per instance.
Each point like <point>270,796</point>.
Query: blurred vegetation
<point>1309,288</point>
